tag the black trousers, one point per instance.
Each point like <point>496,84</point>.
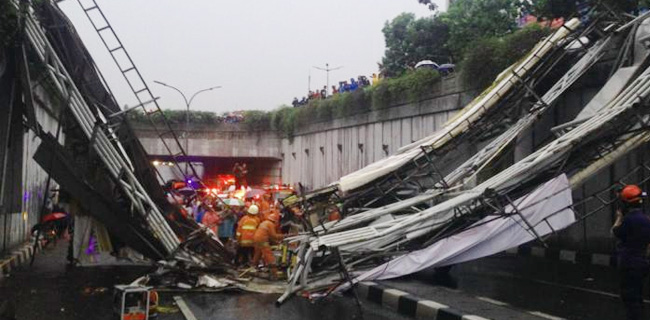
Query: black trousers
<point>244,255</point>
<point>632,280</point>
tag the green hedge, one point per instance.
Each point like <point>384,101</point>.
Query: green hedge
<point>412,87</point>
<point>176,117</point>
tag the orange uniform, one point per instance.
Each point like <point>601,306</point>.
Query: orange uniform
<point>264,235</point>
<point>264,205</point>
<point>246,230</point>
<point>334,216</point>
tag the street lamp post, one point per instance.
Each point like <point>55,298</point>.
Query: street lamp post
<point>328,69</point>
<point>187,114</point>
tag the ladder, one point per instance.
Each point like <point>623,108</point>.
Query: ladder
<point>138,86</point>
<point>102,139</point>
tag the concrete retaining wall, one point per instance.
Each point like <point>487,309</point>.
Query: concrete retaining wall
<point>321,153</point>
<point>217,141</point>
<point>24,182</point>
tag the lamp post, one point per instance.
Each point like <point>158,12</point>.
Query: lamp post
<point>328,69</point>
<point>187,114</point>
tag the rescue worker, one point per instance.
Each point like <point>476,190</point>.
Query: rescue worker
<point>266,234</point>
<point>334,214</point>
<point>265,202</point>
<point>632,228</point>
<point>246,233</point>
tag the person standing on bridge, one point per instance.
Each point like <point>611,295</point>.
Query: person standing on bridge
<point>236,171</point>
<point>632,228</point>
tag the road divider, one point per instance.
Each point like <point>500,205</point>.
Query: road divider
<point>23,254</point>
<point>555,254</point>
<point>409,305</point>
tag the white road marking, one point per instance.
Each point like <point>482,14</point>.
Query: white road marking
<point>492,301</point>
<point>185,310</point>
<point>544,315</point>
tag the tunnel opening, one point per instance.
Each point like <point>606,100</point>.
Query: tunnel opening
<point>261,171</point>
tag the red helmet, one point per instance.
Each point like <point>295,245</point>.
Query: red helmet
<point>274,217</point>
<point>631,193</point>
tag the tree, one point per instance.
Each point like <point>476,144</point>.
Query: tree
<point>469,20</point>
<point>410,40</point>
<point>549,8</point>
<point>432,6</point>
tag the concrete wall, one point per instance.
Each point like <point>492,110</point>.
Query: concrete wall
<point>218,147</point>
<point>24,181</point>
<point>321,153</point>
<point>218,141</point>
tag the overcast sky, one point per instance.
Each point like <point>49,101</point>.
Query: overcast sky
<point>261,52</point>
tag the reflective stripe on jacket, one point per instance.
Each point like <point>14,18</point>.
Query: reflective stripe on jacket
<point>246,230</point>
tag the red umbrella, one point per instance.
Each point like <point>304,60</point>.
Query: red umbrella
<point>54,216</point>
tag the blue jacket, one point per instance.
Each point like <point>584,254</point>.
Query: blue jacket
<point>634,236</point>
<point>227,228</point>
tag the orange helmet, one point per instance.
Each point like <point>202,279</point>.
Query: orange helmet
<point>274,217</point>
<point>631,193</point>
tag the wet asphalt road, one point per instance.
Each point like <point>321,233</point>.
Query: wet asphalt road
<point>257,306</point>
<point>560,289</point>
<point>49,290</point>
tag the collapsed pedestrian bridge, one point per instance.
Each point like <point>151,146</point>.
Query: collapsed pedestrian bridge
<point>430,204</point>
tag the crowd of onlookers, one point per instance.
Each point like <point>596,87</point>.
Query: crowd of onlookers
<point>344,86</point>
<point>231,117</point>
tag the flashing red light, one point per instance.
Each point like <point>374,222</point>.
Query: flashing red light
<point>214,190</point>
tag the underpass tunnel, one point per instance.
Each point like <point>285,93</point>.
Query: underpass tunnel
<point>261,170</point>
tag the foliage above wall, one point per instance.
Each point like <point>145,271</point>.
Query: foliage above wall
<point>490,56</point>
<point>8,23</point>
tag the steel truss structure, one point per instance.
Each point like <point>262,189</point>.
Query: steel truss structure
<point>428,169</point>
<point>365,240</point>
<point>100,127</point>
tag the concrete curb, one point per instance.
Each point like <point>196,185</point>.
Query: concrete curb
<point>23,254</point>
<point>576,257</point>
<point>409,305</point>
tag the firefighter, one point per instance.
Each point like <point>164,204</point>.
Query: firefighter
<point>334,214</point>
<point>632,228</point>
<point>246,233</point>
<point>266,234</point>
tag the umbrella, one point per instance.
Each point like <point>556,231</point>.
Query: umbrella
<point>55,216</point>
<point>186,192</point>
<point>254,192</point>
<point>233,202</point>
<point>426,63</point>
